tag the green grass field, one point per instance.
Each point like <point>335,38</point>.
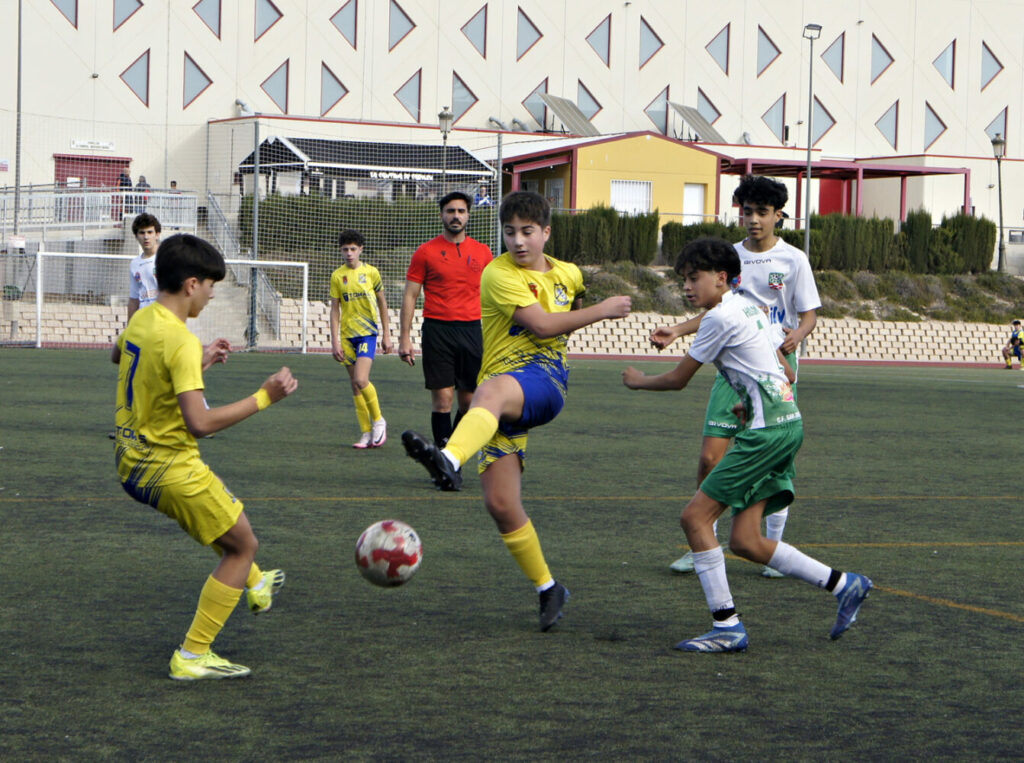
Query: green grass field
<point>908,475</point>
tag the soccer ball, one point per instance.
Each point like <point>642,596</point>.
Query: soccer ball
<point>388,553</point>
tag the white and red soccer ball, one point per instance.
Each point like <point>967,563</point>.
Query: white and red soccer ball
<point>388,553</point>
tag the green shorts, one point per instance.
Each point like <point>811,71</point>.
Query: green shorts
<point>719,420</point>
<point>759,466</point>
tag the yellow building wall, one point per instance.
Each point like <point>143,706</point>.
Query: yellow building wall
<point>667,164</point>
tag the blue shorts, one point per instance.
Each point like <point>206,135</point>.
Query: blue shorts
<point>359,347</point>
<point>544,389</point>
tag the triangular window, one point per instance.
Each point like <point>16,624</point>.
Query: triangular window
<point>136,77</point>
<point>476,31</point>
<point>990,66</point>
<point>399,25</point>
<point>276,86</point>
<point>775,118</point>
<point>933,126</point>
<point>718,48</point>
<point>880,59</point>
<point>409,95</point>
<point>331,89</point>
<point>997,126</point>
<point>344,21</point>
<point>195,82</point>
<point>823,122</point>
<point>888,124</point>
<point>536,106</point>
<point>945,63</point>
<point>835,56</point>
<point>69,8</point>
<point>123,10</point>
<point>767,51</point>
<point>527,34</point>
<point>601,40</point>
<point>657,111</point>
<point>462,97</point>
<point>706,108</point>
<point>267,15</point>
<point>585,100</point>
<point>209,12</point>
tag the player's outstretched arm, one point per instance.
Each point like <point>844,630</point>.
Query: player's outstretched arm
<point>385,320</point>
<point>543,324</point>
<point>664,336</point>
<point>677,378</point>
<point>216,351</point>
<point>202,421</point>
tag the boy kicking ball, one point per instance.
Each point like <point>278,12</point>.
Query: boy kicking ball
<point>756,476</point>
<point>160,413</point>
<point>527,309</point>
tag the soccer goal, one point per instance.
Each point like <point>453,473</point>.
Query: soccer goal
<point>58,299</point>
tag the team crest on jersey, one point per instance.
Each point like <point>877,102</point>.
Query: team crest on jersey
<point>362,278</point>
<point>775,280</point>
<point>561,295</point>
<point>344,279</point>
<point>533,288</point>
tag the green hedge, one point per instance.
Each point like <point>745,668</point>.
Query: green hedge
<point>960,244</point>
<point>602,235</point>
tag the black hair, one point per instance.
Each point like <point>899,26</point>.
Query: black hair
<point>711,254</point>
<point>183,256</point>
<point>758,189</point>
<point>449,197</point>
<point>145,220</point>
<point>351,237</point>
<point>1015,323</point>
<point>526,205</point>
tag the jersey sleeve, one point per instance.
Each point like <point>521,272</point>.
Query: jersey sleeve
<point>335,286</point>
<point>805,291</point>
<point>417,272</point>
<point>185,363</point>
<point>134,285</point>
<point>375,281</point>
<point>711,338</point>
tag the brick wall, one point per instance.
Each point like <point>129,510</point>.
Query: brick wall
<point>842,339</point>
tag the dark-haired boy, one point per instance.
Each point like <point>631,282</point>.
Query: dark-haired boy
<point>777,277</point>
<point>447,270</point>
<point>142,287</point>
<point>756,476</point>
<point>160,413</point>
<point>1012,348</point>
<point>359,310</point>
<point>530,302</point>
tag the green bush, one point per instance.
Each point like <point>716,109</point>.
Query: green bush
<point>918,230</point>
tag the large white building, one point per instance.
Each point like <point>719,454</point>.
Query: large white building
<point>909,83</point>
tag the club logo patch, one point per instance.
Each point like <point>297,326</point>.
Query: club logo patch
<point>561,295</point>
<point>775,280</point>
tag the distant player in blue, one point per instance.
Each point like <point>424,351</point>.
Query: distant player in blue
<point>756,476</point>
<point>1012,348</point>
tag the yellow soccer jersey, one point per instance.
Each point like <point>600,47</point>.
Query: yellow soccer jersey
<point>160,358</point>
<point>505,287</point>
<point>357,288</point>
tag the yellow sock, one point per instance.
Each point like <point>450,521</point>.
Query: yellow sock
<point>1009,363</point>
<point>216,603</point>
<point>473,432</point>
<point>362,413</point>
<point>524,545</point>
<point>372,404</point>
<point>255,576</point>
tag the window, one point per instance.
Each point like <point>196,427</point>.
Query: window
<point>136,77</point>
<point>835,56</point>
<point>601,40</point>
<point>209,12</point>
<point>767,51</point>
<point>537,108</point>
<point>631,197</point>
<point>399,25</point>
<point>706,108</point>
<point>123,10</point>
<point>344,21</point>
<point>945,62</point>
<point>409,95</point>
<point>476,31</point>
<point>888,123</point>
<point>195,82</point>
<point>933,126</point>
<point>69,8</point>
<point>997,125</point>
<point>823,121</point>
<point>880,59</point>
<point>462,97</point>
<point>990,66</point>
<point>693,202</point>
<point>276,86</point>
<point>657,111</point>
<point>718,49</point>
<point>775,118</point>
<point>586,101</point>
<point>267,15</point>
<point>527,35</point>
<point>331,89</point>
<point>650,43</point>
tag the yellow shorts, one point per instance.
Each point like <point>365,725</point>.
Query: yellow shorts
<point>203,506</point>
<point>501,445</point>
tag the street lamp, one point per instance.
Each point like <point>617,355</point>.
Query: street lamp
<point>444,121</point>
<point>812,32</point>
<point>999,149</point>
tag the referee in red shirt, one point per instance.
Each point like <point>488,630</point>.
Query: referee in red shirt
<point>447,269</point>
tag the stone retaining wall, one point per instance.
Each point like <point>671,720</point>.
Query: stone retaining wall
<point>833,339</point>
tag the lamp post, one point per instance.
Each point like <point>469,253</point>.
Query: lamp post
<point>444,121</point>
<point>999,149</point>
<point>812,32</point>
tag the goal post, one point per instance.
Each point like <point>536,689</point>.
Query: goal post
<point>60,299</point>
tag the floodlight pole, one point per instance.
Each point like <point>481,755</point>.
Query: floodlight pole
<point>812,32</point>
<point>444,122</point>
<point>999,150</point>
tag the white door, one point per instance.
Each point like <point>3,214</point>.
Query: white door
<point>693,203</point>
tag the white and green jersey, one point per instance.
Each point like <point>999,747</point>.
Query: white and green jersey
<point>735,336</point>
<point>780,280</point>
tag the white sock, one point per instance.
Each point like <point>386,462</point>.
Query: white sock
<point>775,523</point>
<point>451,459</point>
<point>187,654</point>
<point>790,561</point>
<point>710,568</point>
<point>840,585</point>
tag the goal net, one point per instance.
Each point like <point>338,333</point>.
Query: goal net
<point>57,299</point>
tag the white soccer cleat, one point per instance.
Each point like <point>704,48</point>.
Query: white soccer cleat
<point>364,441</point>
<point>379,433</point>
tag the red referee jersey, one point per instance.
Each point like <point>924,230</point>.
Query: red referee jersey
<point>450,276</point>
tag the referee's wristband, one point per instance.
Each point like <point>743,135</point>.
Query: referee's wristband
<point>262,399</point>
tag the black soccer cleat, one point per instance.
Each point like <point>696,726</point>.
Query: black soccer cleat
<point>551,602</point>
<point>441,471</point>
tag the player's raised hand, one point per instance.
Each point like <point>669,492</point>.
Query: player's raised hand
<point>281,384</point>
<point>216,351</point>
<point>662,337</point>
<point>617,307</point>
